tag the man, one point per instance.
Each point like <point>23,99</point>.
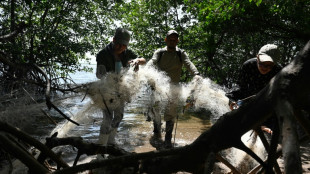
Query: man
<point>170,59</point>
<point>113,58</point>
<point>255,75</point>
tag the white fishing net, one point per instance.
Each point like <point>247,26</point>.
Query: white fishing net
<point>113,89</point>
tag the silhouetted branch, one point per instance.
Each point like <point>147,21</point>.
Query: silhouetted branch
<point>47,81</point>
<point>13,34</point>
<point>29,140</point>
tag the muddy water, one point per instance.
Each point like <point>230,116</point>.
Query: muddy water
<point>134,132</point>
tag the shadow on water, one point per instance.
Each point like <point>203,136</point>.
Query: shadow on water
<point>202,114</point>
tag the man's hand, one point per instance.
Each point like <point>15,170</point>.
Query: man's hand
<point>100,71</point>
<point>233,106</point>
<point>266,129</point>
<point>136,62</point>
<point>198,78</point>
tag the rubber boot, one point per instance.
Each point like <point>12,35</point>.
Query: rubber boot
<point>111,139</point>
<point>103,139</point>
<point>168,136</point>
<point>157,130</point>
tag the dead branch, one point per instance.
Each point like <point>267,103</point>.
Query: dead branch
<point>231,167</point>
<point>83,148</point>
<point>29,140</point>
<point>13,34</point>
<point>47,80</point>
<point>45,113</point>
<point>122,161</point>
<point>21,154</point>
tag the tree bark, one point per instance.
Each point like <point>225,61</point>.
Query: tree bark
<point>29,140</point>
<point>21,154</point>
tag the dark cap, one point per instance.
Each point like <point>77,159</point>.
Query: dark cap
<point>269,52</point>
<point>122,36</point>
<point>170,32</point>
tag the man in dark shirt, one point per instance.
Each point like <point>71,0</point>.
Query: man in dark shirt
<point>115,55</point>
<point>255,74</point>
<point>113,58</point>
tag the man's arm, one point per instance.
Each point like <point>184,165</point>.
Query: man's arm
<point>134,60</point>
<point>189,64</point>
<point>154,59</point>
<point>237,93</point>
<point>101,69</point>
<point>240,90</point>
<point>137,61</point>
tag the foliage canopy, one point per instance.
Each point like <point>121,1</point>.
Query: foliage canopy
<point>218,35</point>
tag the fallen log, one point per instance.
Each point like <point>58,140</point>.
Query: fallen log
<point>83,148</point>
<point>31,141</point>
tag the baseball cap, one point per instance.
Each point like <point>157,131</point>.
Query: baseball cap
<point>170,32</point>
<point>269,52</point>
<point>122,36</point>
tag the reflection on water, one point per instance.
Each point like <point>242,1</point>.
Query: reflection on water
<point>134,131</point>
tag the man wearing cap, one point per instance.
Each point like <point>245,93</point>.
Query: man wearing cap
<point>255,74</point>
<point>171,59</point>
<point>115,55</point>
<point>113,58</point>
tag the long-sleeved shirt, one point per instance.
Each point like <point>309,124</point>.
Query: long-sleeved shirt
<point>251,81</point>
<point>106,57</point>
